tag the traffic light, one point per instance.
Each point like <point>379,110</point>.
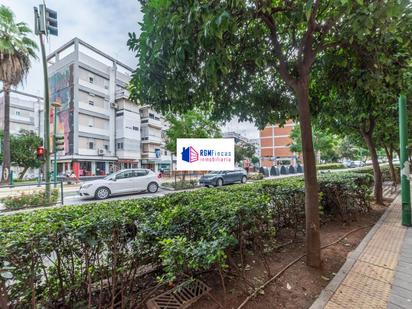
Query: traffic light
<point>40,153</point>
<point>48,21</point>
<point>59,140</point>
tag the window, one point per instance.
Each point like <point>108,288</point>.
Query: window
<point>17,113</point>
<point>151,116</point>
<point>118,114</point>
<point>135,128</point>
<point>91,79</point>
<point>106,147</point>
<point>139,173</point>
<point>127,174</point>
<point>165,152</point>
<point>91,145</point>
<point>119,145</point>
<point>91,103</point>
<point>91,123</point>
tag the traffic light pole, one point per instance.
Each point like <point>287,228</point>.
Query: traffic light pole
<point>46,142</point>
<point>404,163</point>
<point>55,145</point>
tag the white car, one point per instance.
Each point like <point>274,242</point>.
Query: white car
<point>121,182</point>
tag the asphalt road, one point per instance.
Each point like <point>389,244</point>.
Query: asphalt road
<point>72,198</point>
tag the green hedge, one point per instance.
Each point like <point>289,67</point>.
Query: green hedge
<point>386,173</point>
<point>181,184</point>
<point>33,199</point>
<point>65,255</point>
<point>330,166</point>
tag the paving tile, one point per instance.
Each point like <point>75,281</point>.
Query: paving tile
<point>402,283</point>
<point>393,306</point>
<point>402,292</point>
<point>381,276</point>
<point>403,276</point>
<point>402,302</point>
<point>374,272</point>
<point>404,267</point>
<point>405,259</point>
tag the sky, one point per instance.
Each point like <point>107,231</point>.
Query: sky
<point>105,24</point>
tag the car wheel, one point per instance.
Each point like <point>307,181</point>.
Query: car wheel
<point>219,182</point>
<point>152,187</point>
<point>244,179</point>
<point>102,193</point>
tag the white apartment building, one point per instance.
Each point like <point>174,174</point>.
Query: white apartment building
<point>103,131</point>
<point>25,112</point>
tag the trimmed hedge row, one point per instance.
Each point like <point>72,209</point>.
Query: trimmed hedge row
<point>92,254</point>
<point>330,166</point>
<point>386,173</point>
<point>33,199</point>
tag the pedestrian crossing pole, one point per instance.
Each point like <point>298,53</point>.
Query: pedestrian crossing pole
<point>404,163</point>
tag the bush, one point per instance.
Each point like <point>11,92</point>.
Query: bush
<point>385,170</point>
<point>256,176</point>
<point>181,184</point>
<point>330,166</point>
<point>56,254</point>
<point>35,199</point>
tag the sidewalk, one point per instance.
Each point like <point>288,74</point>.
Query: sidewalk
<point>378,274</point>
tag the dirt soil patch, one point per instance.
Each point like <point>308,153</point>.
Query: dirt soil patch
<point>300,285</point>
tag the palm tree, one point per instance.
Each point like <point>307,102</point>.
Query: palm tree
<point>16,52</point>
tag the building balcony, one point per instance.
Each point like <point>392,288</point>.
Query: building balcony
<point>151,140</point>
<point>93,130</point>
<point>151,122</point>
<point>96,109</point>
<point>122,94</point>
<point>22,119</point>
<point>95,87</point>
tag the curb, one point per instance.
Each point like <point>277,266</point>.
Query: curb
<point>333,285</point>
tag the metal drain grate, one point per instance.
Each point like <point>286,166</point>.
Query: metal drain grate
<point>179,297</point>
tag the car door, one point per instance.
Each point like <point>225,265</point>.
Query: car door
<point>140,179</point>
<point>230,176</point>
<point>123,183</point>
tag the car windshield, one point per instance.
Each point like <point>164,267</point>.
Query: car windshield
<point>110,176</point>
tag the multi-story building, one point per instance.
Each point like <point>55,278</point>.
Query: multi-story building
<point>25,112</point>
<point>103,130</point>
<point>275,145</point>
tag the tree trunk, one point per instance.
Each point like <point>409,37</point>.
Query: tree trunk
<point>389,156</point>
<point>313,257</point>
<point>377,175</point>
<point>4,301</point>
<point>6,134</point>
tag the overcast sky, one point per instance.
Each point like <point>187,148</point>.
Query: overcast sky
<point>102,23</point>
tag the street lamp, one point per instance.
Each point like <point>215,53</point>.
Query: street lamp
<point>56,105</point>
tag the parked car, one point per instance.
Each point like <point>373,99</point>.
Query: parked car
<point>220,178</point>
<point>347,163</point>
<point>357,164</point>
<point>121,182</point>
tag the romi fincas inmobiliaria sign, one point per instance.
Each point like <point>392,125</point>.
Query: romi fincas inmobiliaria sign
<point>205,154</point>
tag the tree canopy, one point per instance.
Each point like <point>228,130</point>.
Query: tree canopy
<point>252,59</point>
<point>324,142</point>
<point>192,124</point>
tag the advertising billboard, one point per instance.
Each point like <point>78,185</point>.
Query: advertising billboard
<point>205,154</point>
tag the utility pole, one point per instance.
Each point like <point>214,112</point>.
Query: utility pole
<point>45,22</point>
<point>58,141</point>
<point>404,163</point>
